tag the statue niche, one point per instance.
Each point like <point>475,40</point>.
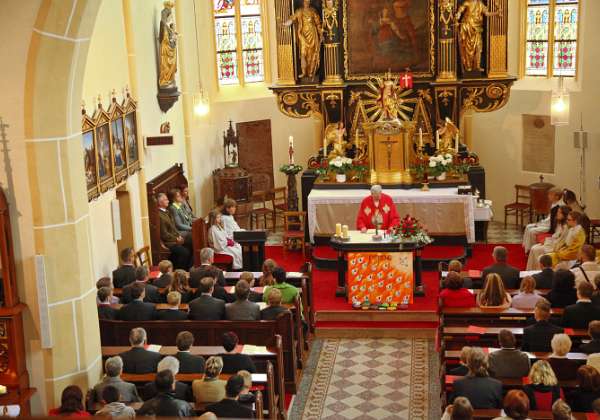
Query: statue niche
<point>168,93</point>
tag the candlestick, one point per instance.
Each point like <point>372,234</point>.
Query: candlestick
<point>437,139</point>
<point>457,142</point>
<point>291,150</point>
<point>291,141</point>
<point>420,138</point>
<point>345,231</point>
<point>338,229</point>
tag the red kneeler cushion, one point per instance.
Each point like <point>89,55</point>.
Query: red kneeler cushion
<point>223,259</point>
<point>541,237</point>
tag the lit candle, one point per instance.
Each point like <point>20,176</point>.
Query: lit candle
<point>338,229</point>
<point>420,138</point>
<point>291,149</point>
<point>457,142</point>
<point>292,141</point>
<point>345,231</point>
<point>437,139</point>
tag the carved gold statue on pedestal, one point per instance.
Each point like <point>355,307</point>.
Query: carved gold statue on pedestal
<point>470,30</point>
<point>334,138</point>
<point>167,38</point>
<point>310,35</point>
<point>447,137</point>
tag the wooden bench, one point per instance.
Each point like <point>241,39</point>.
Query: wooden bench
<point>455,354</point>
<point>209,333</point>
<point>489,414</point>
<point>490,316</point>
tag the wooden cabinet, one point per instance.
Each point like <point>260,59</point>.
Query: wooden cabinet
<point>233,183</point>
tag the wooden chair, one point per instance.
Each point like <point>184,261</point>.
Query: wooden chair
<point>259,208</point>
<point>200,240</point>
<point>594,230</point>
<point>142,258</point>
<point>521,207</point>
<point>279,202</point>
<point>293,230</point>
<point>242,215</point>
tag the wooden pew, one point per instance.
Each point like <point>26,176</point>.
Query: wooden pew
<point>507,383</point>
<point>209,333</point>
<point>490,316</point>
<point>489,414</point>
<point>455,354</point>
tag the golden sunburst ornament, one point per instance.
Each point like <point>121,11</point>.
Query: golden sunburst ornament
<point>386,100</point>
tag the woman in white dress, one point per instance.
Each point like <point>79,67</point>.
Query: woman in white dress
<point>227,216</point>
<point>558,236</point>
<point>548,224</point>
<point>220,242</point>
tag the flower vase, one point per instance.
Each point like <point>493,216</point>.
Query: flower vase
<point>441,177</point>
<point>340,177</point>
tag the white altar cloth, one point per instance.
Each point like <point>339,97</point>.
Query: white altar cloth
<point>440,210</point>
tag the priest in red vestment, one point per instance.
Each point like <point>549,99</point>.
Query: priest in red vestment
<point>377,208</point>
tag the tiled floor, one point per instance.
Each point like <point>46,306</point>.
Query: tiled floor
<point>498,235</point>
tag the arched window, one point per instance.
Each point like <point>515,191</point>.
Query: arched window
<point>239,41</point>
<point>551,35</point>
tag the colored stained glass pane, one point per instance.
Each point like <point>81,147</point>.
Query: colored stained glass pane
<point>251,32</point>
<point>537,58</point>
<point>225,34</point>
<point>565,22</point>
<point>253,66</point>
<point>224,7</point>
<point>250,7</point>
<point>567,1</point>
<point>537,2</point>
<point>565,58</point>
<point>227,68</point>
<point>538,23</point>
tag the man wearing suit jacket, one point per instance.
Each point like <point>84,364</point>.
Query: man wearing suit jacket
<point>537,337</point>
<point>182,391</point>
<point>206,307</point>
<point>594,345</point>
<point>579,315</point>
<point>166,274</point>
<point>173,313</point>
<point>509,274</point>
<point>508,362</point>
<point>481,390</point>
<point>242,309</point>
<point>230,407</point>
<point>206,269</point>
<point>545,278</point>
<point>181,251</point>
<point>141,277</point>
<point>137,310</point>
<point>138,359</point>
<point>188,363</point>
<point>587,269</point>
<point>113,367</point>
<point>274,308</point>
<point>105,311</point>
<point>125,274</point>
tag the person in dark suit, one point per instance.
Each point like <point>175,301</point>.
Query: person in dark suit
<point>180,248</point>
<point>481,390</point>
<point>138,359</point>
<point>182,390</point>
<point>545,278</point>
<point>563,367</point>
<point>508,273</point>
<point>563,291</point>
<point>274,308</point>
<point>233,361</point>
<point>537,337</point>
<point>165,403</point>
<point>137,310</point>
<point>594,345</point>
<point>173,313</point>
<point>461,369</point>
<point>206,307</point>
<point>141,277</point>
<point>587,391</point>
<point>219,292</point>
<point>508,362</point>
<point>125,274</point>
<point>206,269</point>
<point>579,315</point>
<point>113,367</point>
<point>188,363</point>
<point>242,309</point>
<point>229,407</point>
<point>105,311</point>
<point>166,274</point>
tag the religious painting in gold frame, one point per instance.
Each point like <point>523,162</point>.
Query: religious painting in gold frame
<point>104,157</point>
<point>117,141</point>
<point>89,157</point>
<point>130,135</point>
<point>382,35</point>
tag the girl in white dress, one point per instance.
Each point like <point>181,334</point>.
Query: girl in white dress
<point>221,242</point>
<point>537,250</point>
<point>229,223</point>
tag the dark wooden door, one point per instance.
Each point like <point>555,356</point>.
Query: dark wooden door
<point>256,152</point>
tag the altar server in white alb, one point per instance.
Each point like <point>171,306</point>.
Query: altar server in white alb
<point>228,217</point>
<point>221,242</point>
<point>547,225</point>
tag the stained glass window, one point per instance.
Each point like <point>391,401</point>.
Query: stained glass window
<point>239,41</point>
<point>551,45</point>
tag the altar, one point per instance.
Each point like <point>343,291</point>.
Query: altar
<point>442,211</point>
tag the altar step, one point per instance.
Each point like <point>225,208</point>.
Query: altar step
<point>375,329</point>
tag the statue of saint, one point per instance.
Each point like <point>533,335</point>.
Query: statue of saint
<point>310,35</point>
<point>330,18</point>
<point>470,30</point>
<point>448,137</point>
<point>334,138</point>
<point>167,38</point>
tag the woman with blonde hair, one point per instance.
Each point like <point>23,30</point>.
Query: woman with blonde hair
<point>210,389</point>
<point>180,283</point>
<point>558,236</point>
<point>564,368</point>
<point>494,295</point>
<point>527,296</point>
<point>543,388</point>
<point>568,249</point>
<point>220,242</point>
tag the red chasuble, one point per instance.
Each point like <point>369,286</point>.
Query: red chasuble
<point>368,211</point>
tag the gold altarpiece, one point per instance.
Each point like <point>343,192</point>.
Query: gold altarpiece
<point>456,51</point>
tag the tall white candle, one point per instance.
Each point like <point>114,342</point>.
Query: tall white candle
<point>437,139</point>
<point>420,138</point>
<point>291,151</point>
<point>457,142</point>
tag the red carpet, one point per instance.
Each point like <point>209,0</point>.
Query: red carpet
<point>325,282</point>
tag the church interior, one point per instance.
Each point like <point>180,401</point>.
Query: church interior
<point>300,209</point>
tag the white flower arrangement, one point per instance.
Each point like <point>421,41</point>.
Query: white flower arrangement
<point>340,165</point>
<point>439,164</point>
